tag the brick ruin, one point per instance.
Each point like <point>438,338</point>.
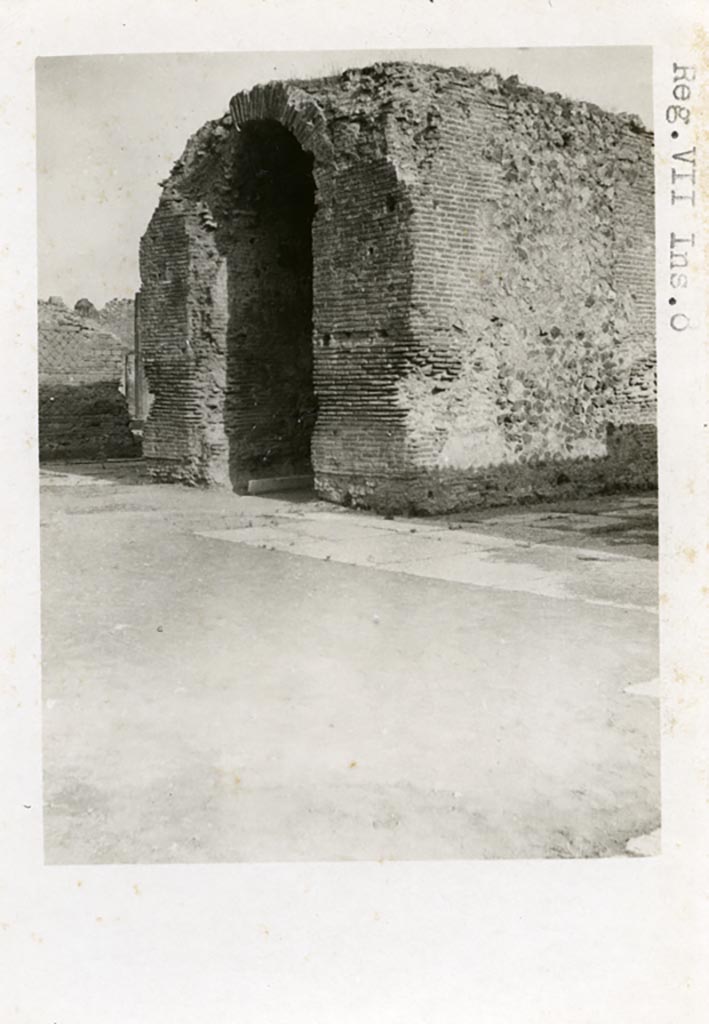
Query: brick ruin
<point>430,288</point>
<point>84,396</point>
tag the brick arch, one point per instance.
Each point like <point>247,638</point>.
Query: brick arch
<point>289,106</point>
<point>361,255</point>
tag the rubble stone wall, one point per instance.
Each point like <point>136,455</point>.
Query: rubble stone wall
<point>481,306</point>
<point>83,413</point>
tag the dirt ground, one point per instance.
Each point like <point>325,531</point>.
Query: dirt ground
<point>275,678</point>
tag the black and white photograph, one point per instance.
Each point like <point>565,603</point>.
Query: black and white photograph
<point>348,456</point>
<point>353,539</point>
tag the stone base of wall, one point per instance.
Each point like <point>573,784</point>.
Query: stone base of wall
<point>85,421</point>
<point>175,471</point>
<point>214,473</point>
<point>629,466</point>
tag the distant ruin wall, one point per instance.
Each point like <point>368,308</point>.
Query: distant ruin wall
<point>83,412</point>
<point>482,294</point>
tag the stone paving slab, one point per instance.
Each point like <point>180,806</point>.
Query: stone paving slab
<point>474,559</point>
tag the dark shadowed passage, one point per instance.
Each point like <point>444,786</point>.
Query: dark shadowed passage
<point>270,404</point>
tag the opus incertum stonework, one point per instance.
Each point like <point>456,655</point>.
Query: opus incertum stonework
<point>429,288</point>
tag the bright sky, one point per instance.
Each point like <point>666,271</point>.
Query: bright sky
<point>109,129</point>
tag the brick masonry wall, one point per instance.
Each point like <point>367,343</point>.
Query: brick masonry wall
<point>360,298</point>
<point>482,313</point>
<point>83,412</point>
<point>171,433</point>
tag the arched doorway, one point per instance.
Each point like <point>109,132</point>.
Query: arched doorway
<point>270,404</point>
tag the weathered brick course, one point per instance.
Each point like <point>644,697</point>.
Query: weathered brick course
<point>435,286</point>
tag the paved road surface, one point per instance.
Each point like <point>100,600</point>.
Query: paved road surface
<point>247,678</point>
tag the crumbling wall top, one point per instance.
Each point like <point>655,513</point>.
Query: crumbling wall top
<point>315,109</point>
